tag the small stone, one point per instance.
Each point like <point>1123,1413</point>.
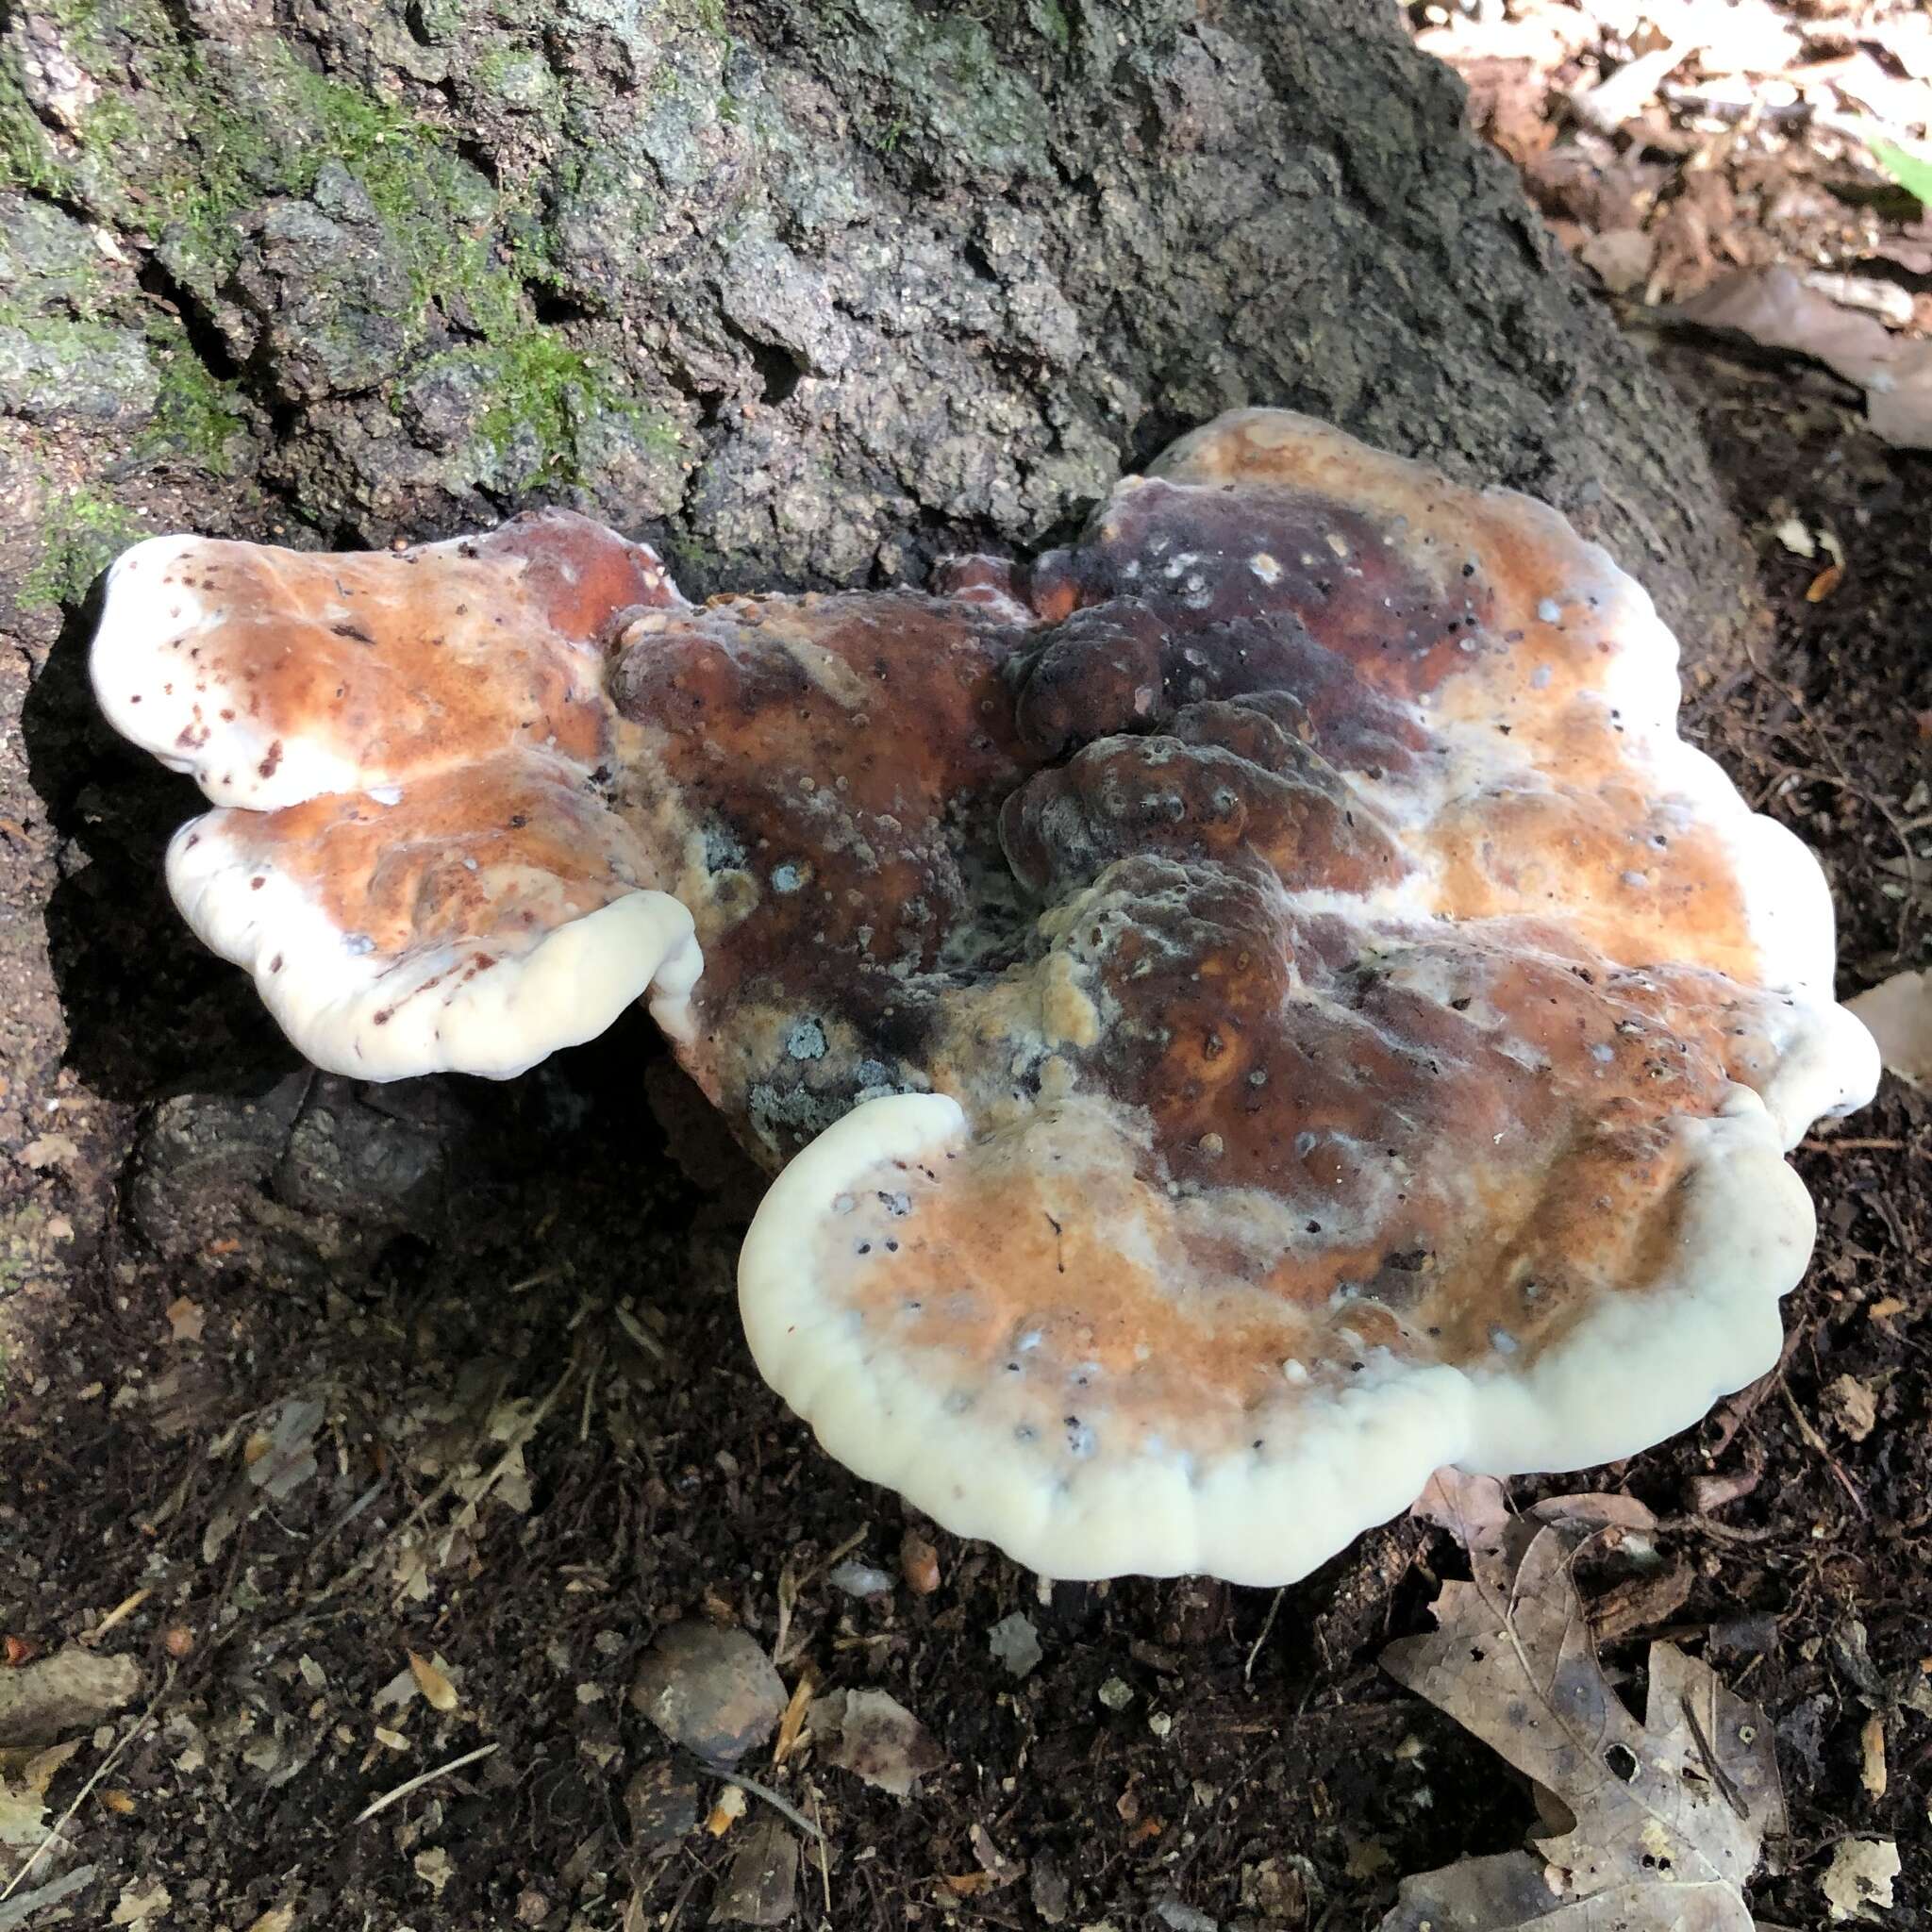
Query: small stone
<point>918,1563</point>
<point>1183,1918</point>
<point>710,1690</point>
<point>665,1806</point>
<point>1116,1693</point>
<point>860,1580</point>
<point>1052,1894</point>
<point>1015,1643</point>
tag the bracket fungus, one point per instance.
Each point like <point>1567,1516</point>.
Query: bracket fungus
<point>1251,1007</point>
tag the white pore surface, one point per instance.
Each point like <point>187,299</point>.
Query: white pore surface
<point>148,689</point>
<point>1339,1459</point>
<point>354,1010</point>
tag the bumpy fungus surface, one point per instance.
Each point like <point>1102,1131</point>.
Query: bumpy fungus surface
<point>1251,1009</point>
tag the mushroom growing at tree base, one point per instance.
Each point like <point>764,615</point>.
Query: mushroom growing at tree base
<point>1242,1011</point>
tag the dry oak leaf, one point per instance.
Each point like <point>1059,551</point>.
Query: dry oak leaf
<point>1668,1815</point>
<point>874,1735</point>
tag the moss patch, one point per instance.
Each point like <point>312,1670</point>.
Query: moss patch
<point>81,533</point>
<point>542,396</point>
<point>27,157</point>
<point>195,416</point>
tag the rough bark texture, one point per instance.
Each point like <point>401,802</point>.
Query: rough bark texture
<point>805,290</point>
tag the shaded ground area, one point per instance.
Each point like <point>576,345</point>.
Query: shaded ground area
<point>302,1380</point>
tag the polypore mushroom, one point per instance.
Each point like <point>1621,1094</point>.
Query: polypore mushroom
<point>1253,1008</point>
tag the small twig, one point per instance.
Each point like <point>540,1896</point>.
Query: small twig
<point>1867,1144</point>
<point>824,1870</point>
<point>1719,1775</point>
<point>1725,1532</point>
<point>677,1905</point>
<point>416,1783</point>
<point>782,1805</point>
<point>1267,1624</point>
<point>120,1613</point>
<point>1814,1441</point>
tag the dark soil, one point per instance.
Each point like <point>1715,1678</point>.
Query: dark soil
<point>500,1319</point>
<point>526,1460</point>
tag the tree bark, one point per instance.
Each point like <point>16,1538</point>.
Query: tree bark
<point>801,290</point>
<point>806,291</point>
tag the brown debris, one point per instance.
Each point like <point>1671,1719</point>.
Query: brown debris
<point>873,1736</point>
<point>918,1563</point>
<point>713,1690</point>
<point>42,1701</point>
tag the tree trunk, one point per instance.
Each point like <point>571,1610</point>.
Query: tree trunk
<point>801,290</point>
<point>806,291</point>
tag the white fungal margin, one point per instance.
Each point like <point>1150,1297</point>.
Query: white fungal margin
<point>354,1009</point>
<point>1339,1459</point>
<point>154,688</point>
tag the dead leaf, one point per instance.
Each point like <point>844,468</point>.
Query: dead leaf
<point>1668,1814</point>
<point>61,1692</point>
<point>793,1721</point>
<point>1898,1015</point>
<point>435,1686</point>
<point>185,1319</point>
<point>875,1737</point>
<point>435,1868</point>
<point>136,1906</point>
<point>25,1777</point>
<point>760,1887</point>
<point>1852,1405</point>
<point>22,1907</point>
<point>1773,307</point>
<point>276,1918</point>
<point>1620,258</point>
<point>1862,1873</point>
<point>1609,104</point>
<point>1474,1509</point>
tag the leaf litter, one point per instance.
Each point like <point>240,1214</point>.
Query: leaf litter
<point>1659,1824</point>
